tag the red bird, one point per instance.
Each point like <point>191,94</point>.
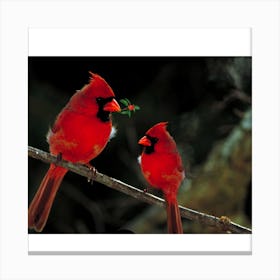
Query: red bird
<point>162,167</point>
<point>79,134</point>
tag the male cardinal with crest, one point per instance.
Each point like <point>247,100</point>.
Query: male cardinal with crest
<point>79,134</point>
<point>162,167</point>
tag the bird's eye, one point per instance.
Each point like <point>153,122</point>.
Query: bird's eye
<point>154,140</point>
<point>101,101</point>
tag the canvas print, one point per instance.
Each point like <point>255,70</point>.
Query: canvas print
<point>139,145</point>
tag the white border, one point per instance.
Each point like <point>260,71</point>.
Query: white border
<point>129,42</point>
<point>140,41</point>
<point>262,16</point>
<point>160,243</point>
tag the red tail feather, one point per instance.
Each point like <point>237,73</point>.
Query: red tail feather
<point>174,222</point>
<point>41,204</point>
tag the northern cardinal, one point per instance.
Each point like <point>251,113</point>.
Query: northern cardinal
<point>79,134</point>
<point>162,167</point>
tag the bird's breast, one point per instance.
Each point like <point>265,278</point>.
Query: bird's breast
<point>78,137</point>
<point>161,171</point>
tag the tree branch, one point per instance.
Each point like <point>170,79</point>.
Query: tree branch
<point>220,223</point>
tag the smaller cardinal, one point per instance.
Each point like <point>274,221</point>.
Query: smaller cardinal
<point>162,167</point>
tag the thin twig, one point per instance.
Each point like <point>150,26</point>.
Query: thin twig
<point>220,223</point>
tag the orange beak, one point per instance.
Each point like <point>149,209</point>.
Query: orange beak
<point>144,141</point>
<point>112,106</point>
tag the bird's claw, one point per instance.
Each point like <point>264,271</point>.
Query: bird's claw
<point>92,173</point>
<point>58,158</point>
<point>146,190</point>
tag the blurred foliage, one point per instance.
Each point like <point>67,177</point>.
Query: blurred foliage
<point>207,101</point>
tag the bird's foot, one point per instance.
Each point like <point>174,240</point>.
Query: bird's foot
<point>92,173</point>
<point>146,190</point>
<point>58,158</point>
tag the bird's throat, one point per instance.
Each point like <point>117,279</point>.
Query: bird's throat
<point>149,149</point>
<point>104,116</point>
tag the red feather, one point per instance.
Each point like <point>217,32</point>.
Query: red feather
<point>79,134</point>
<point>162,167</point>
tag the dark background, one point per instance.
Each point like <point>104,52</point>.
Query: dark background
<point>205,99</point>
